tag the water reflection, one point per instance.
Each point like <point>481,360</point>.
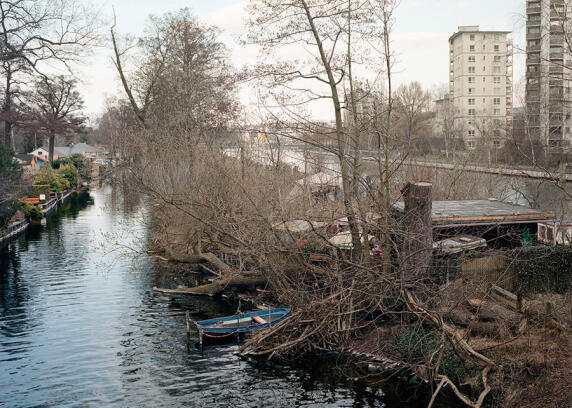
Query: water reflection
<point>81,327</point>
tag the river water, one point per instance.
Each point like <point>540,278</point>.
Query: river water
<point>81,327</point>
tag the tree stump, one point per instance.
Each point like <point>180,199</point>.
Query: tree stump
<point>417,247</point>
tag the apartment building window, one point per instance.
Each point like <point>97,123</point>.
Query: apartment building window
<point>470,123</point>
<point>496,101</point>
<point>471,70</point>
<point>533,30</point>
<point>471,58</point>
<point>471,48</point>
<point>556,49</point>
<point>497,91</point>
<point>496,112</point>
<point>496,70</point>
<point>471,112</point>
<point>471,80</point>
<point>471,101</point>
<point>470,145</point>
<point>534,18</point>
<point>497,37</point>
<point>471,91</point>
<point>471,133</point>
<point>496,80</point>
<point>533,43</point>
<point>497,58</point>
<point>496,144</point>
<point>472,37</point>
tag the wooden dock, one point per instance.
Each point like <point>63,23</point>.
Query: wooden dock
<point>47,208</point>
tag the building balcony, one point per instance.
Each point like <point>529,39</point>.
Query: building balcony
<point>556,40</point>
<point>556,29</point>
<point>533,36</point>
<point>556,83</point>
<point>556,56</point>
<point>533,9</point>
<point>556,16</point>
<point>533,48</point>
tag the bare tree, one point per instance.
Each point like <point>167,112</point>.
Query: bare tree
<point>38,33</point>
<point>55,109</point>
<point>413,113</point>
<point>181,68</point>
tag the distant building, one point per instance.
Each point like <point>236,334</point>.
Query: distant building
<point>548,85</point>
<point>84,149</point>
<point>40,151</point>
<point>80,148</point>
<point>443,115</point>
<point>480,85</point>
<point>368,103</point>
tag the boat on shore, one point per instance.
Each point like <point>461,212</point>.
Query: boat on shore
<point>230,327</point>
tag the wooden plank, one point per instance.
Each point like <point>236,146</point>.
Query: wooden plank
<point>259,320</point>
<point>504,292</point>
<point>504,301</point>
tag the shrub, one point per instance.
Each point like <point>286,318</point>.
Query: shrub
<point>30,211</point>
<point>56,182</point>
<point>69,172</point>
<point>416,345</point>
<point>544,269</point>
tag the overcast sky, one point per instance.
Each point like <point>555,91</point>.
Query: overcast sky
<point>420,36</point>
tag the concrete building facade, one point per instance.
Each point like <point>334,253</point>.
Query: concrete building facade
<point>548,73</point>
<point>480,86</point>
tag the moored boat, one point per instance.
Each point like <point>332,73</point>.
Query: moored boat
<point>228,327</point>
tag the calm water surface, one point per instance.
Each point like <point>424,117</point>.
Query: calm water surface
<point>81,327</point>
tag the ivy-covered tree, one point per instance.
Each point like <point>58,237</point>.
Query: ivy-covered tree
<point>10,175</point>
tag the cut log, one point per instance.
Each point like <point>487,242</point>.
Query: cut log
<point>460,315</point>
<point>489,311</point>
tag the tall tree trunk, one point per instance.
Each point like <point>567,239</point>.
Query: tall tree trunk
<point>52,139</point>
<point>6,109</point>
<point>340,135</point>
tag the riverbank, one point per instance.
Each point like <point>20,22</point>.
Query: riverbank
<point>15,229</point>
<point>226,219</point>
<point>81,326</point>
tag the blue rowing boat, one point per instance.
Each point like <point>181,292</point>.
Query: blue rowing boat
<point>230,326</point>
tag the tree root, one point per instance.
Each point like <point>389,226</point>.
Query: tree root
<point>217,287</point>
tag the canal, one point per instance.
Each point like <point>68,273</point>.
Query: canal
<point>81,327</point>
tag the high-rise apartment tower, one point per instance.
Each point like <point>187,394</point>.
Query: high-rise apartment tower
<point>549,73</point>
<point>480,85</point>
